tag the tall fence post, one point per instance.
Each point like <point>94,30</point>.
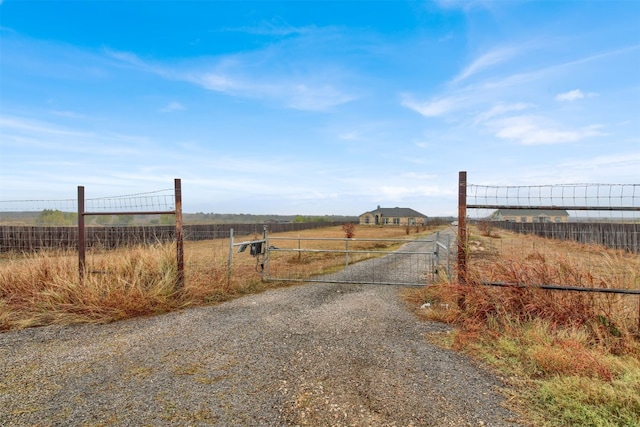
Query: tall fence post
<point>81,235</point>
<point>179,233</point>
<point>462,227</point>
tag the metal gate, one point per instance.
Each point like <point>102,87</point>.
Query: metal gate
<point>406,262</point>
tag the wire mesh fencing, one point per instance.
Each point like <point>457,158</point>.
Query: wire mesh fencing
<point>409,262</point>
<point>575,238</point>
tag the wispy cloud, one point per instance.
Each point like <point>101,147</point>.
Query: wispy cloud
<point>27,133</point>
<point>37,127</point>
<point>299,94</point>
<point>542,73</point>
<point>570,96</point>
<point>303,83</point>
<point>573,95</point>
<point>501,109</point>
<point>275,27</point>
<point>487,60</point>
<point>625,166</point>
<point>535,130</point>
<point>432,108</point>
<point>172,106</point>
<point>68,114</point>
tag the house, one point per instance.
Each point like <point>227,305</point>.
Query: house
<point>531,215</point>
<point>393,216</point>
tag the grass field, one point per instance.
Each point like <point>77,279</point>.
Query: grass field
<point>569,359</point>
<point>44,288</point>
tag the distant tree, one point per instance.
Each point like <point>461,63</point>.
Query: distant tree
<point>124,219</point>
<point>167,219</point>
<point>56,217</point>
<point>103,219</point>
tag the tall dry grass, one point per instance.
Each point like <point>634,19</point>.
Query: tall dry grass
<point>611,320</point>
<point>44,288</point>
<point>549,343</point>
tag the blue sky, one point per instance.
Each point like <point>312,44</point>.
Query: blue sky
<point>301,107</point>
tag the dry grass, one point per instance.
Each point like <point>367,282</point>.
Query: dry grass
<point>550,343</point>
<point>44,289</point>
<point>329,255</point>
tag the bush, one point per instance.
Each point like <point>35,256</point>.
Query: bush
<point>349,230</point>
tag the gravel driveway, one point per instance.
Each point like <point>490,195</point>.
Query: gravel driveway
<point>318,354</point>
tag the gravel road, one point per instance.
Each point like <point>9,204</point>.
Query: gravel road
<point>311,355</point>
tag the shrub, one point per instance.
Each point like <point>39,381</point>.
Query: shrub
<point>349,229</point>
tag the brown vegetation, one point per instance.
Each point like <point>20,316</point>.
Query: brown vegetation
<point>549,343</point>
<point>44,288</point>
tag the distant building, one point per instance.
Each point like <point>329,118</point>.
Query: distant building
<point>531,215</point>
<point>393,216</point>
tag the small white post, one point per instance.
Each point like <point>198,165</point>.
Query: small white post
<point>230,262</point>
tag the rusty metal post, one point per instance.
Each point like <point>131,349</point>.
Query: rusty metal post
<point>462,227</point>
<point>179,233</point>
<point>81,235</point>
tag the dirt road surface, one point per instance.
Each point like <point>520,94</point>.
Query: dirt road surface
<point>310,355</point>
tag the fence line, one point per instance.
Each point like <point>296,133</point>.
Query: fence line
<point>621,202</point>
<point>543,210</point>
<point>22,238</point>
<point>612,235</point>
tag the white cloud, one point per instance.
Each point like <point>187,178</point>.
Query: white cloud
<point>420,176</point>
<point>311,97</point>
<point>296,94</point>
<point>433,108</point>
<point>487,60</point>
<point>215,82</point>
<point>350,136</point>
<point>297,86</point>
<point>613,161</point>
<point>127,57</point>
<point>172,106</point>
<point>570,96</point>
<point>273,28</point>
<point>534,130</point>
<point>500,109</point>
<point>35,127</point>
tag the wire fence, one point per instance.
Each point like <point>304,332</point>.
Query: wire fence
<point>32,238</point>
<point>574,237</point>
<point>409,262</point>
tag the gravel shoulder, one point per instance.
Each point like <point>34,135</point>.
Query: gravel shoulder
<point>316,354</point>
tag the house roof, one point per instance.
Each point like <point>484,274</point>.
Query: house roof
<point>531,212</point>
<point>396,212</point>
